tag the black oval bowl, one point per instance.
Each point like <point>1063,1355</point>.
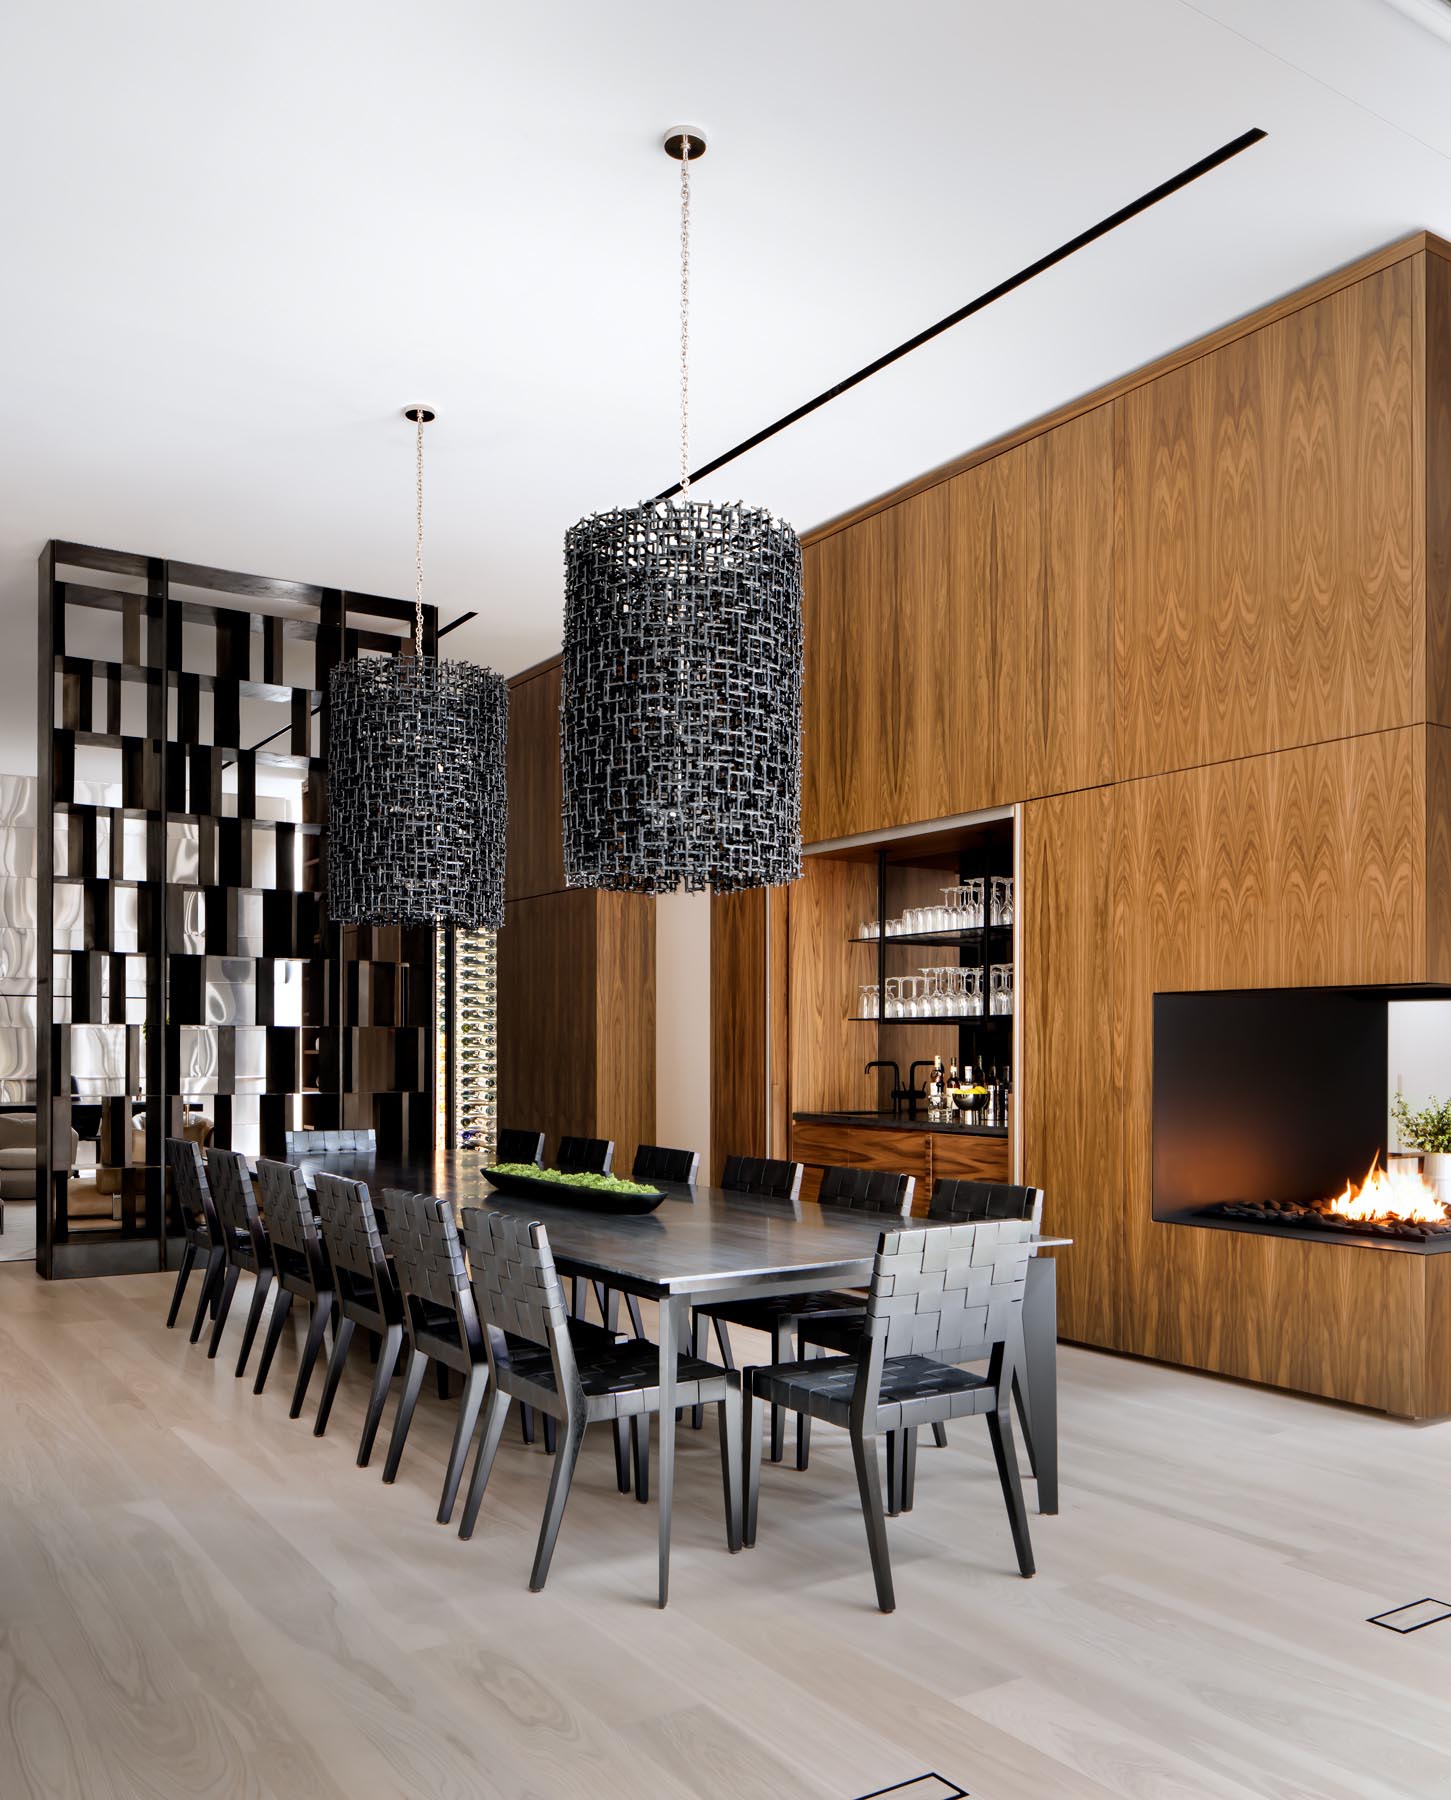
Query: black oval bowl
<point>563,1193</point>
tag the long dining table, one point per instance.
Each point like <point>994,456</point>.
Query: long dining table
<point>707,1244</point>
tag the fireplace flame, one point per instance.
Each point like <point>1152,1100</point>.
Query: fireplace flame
<point>1407,1197</point>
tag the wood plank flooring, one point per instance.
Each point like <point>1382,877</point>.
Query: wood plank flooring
<point>198,1598</point>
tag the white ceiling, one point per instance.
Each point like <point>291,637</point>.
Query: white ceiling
<point>238,239</point>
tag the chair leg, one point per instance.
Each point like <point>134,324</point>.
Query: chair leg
<point>729,1415</point>
<point>382,1379</point>
<point>697,1350</point>
<point>869,1483</point>
<point>909,1467</point>
<point>894,1473</point>
<point>440,1379</point>
<point>472,1398</point>
<point>254,1318</point>
<point>751,1457</point>
<point>1025,1419</point>
<point>281,1310</point>
<point>211,1287</point>
<point>640,1447</point>
<point>780,1352</point>
<point>188,1257</point>
<point>622,1455</point>
<point>484,1461</point>
<point>804,1353</point>
<point>526,1424</point>
<point>939,1435</point>
<point>224,1306</point>
<point>723,1340</point>
<point>559,1485</point>
<point>322,1311</point>
<point>1005,1455</point>
<point>403,1418</point>
<point>632,1306</point>
<point>342,1343</point>
<point>548,1435</point>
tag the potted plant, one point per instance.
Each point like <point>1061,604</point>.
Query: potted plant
<point>1429,1131</point>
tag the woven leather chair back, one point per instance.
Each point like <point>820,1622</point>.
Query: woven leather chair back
<point>868,1191</point>
<point>762,1175</point>
<point>948,1292</point>
<point>350,1226</point>
<point>288,1211</point>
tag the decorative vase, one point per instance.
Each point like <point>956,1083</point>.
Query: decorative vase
<point>1436,1167</point>
<point>1403,1162</point>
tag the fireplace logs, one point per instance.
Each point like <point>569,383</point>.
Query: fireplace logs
<point>1318,1215</point>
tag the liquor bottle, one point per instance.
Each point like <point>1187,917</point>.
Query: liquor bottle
<point>936,1087</point>
<point>952,1087</point>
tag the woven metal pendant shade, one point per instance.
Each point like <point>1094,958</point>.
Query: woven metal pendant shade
<point>681,699</point>
<point>417,807</point>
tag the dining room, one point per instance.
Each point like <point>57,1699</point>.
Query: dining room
<point>725,1065</point>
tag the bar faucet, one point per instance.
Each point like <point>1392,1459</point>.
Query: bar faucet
<point>899,1093</point>
<point>914,1093</point>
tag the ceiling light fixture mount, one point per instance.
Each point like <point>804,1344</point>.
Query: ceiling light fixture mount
<point>686,143</point>
<point>419,415</point>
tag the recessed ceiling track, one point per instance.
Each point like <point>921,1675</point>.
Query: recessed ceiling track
<point>1204,166</point>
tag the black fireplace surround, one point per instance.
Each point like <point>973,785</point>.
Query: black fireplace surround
<point>1266,1102</point>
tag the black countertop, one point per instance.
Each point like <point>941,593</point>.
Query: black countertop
<point>878,1121</point>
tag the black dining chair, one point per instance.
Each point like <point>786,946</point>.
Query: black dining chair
<point>439,1320</point>
<point>202,1227</point>
<point>366,1291</point>
<point>939,1297</point>
<point>244,1238</point>
<point>777,1315</point>
<point>656,1162</point>
<point>766,1175</point>
<point>957,1202</point>
<point>300,1267</point>
<point>514,1146</point>
<point>535,1358</point>
<point>962,1202</point>
<point>585,1156</point>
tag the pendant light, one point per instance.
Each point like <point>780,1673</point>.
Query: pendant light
<point>681,680</point>
<point>417,806</point>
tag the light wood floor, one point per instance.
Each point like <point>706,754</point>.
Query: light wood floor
<point>198,1598</point>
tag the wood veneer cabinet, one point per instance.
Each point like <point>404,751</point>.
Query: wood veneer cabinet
<point>926,1155</point>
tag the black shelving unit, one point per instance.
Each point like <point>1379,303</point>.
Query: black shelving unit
<point>981,853</point>
<point>185,952</point>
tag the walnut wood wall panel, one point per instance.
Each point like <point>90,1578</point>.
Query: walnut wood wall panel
<point>828,1053</point>
<point>536,842</point>
<point>547,971</point>
<point>1069,1083</point>
<point>958,644</point>
<point>576,966</point>
<point>1303,868</point>
<point>1436,272</point>
<point>739,1018</point>
<point>1264,558</point>
<point>625,1023</point>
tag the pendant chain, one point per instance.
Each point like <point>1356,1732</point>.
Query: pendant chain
<point>418,552</point>
<point>685,319</point>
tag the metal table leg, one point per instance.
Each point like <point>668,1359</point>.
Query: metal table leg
<point>1040,1358</point>
<point>674,1326</point>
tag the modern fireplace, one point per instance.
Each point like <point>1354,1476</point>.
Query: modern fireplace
<point>1270,1113</point>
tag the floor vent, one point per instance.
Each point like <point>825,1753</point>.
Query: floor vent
<point>920,1787</point>
<point>1414,1616</point>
